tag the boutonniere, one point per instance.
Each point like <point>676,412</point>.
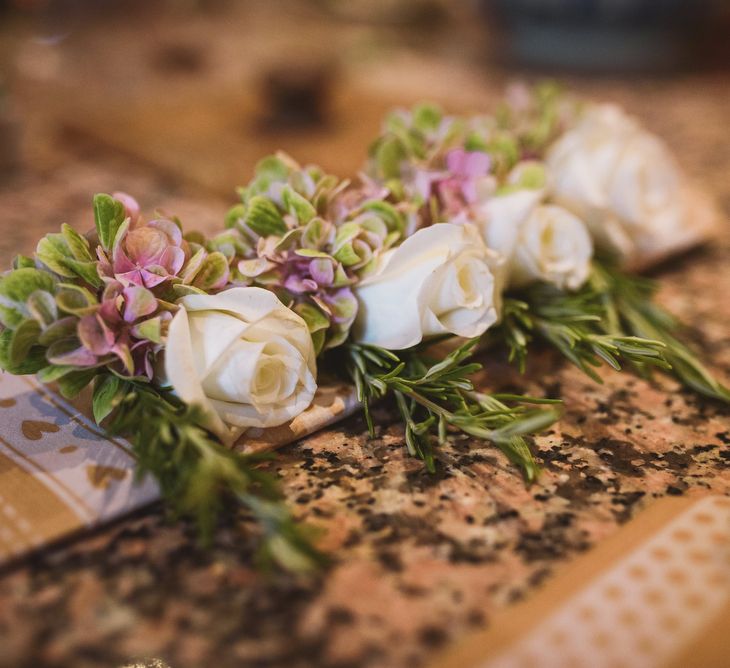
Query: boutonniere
<point>463,237</point>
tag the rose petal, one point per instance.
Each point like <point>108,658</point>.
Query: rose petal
<point>182,374</point>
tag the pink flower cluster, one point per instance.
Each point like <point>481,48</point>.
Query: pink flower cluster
<point>456,187</point>
<point>128,321</point>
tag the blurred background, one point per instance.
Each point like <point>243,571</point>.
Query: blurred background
<point>175,100</point>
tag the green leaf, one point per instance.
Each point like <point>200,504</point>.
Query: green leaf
<point>19,284</point>
<point>390,153</point>
<point>234,215</point>
<point>33,362</point>
<point>61,329</point>
<point>427,117</point>
<point>297,205</point>
<point>12,315</point>
<point>346,233</point>
<point>78,246</point>
<point>16,287</point>
<point>344,308</point>
<point>273,168</point>
<point>75,300</point>
<point>86,271</point>
<point>108,217</point>
<point>53,252</point>
<point>532,175</point>
<point>195,237</point>
<point>108,393</point>
<point>52,373</point>
<point>150,329</point>
<point>67,254</point>
<point>213,271</point>
<point>375,224</point>
<point>193,266</point>
<point>42,306</point>
<point>319,338</point>
<point>289,240</point>
<point>313,316</point>
<point>23,262</point>
<point>263,217</point>
<point>24,337</point>
<point>505,150</point>
<point>341,277</point>
<point>475,142</point>
<point>346,255</point>
<point>231,243</point>
<point>310,252</point>
<point>182,290</point>
<point>317,322</point>
<point>71,384</point>
<point>315,233</point>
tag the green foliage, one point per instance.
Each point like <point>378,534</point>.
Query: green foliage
<point>611,320</point>
<point>32,362</point>
<point>317,323</point>
<point>67,254</point>
<point>535,123</point>
<point>108,217</point>
<point>16,287</point>
<point>389,153</point>
<point>75,300</point>
<point>212,272</point>
<point>23,262</point>
<point>427,117</point>
<point>71,383</point>
<point>107,395</point>
<point>297,206</point>
<point>22,339</point>
<point>42,307</point>
<point>387,213</point>
<point>629,306</point>
<point>196,473</point>
<point>504,151</point>
<point>434,396</point>
<point>263,217</point>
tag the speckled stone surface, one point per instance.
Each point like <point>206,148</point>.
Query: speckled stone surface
<point>419,559</point>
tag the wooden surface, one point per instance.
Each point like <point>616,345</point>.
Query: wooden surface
<point>420,560</point>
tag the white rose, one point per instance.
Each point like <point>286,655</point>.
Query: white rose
<point>622,181</point>
<point>501,217</point>
<point>440,280</point>
<point>553,247</point>
<point>243,357</point>
<point>539,242</point>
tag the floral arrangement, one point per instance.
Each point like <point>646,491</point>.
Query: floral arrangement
<point>490,231</point>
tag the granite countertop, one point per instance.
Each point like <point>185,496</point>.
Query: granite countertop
<point>419,559</point>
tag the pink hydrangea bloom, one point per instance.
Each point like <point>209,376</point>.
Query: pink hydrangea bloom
<point>464,170</point>
<point>111,329</point>
<point>146,255</point>
<point>456,185</point>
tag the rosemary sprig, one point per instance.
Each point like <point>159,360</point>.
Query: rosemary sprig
<point>611,320</point>
<point>435,396</point>
<point>196,473</point>
<point>629,300</point>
